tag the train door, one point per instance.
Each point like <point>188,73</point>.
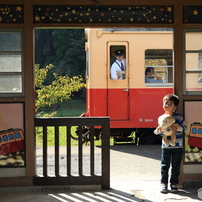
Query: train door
<point>118,81</point>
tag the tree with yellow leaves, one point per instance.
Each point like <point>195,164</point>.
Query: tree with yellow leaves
<point>59,90</point>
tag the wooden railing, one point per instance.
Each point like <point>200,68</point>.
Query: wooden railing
<point>77,160</point>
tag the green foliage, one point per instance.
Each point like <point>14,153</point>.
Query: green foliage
<point>41,74</point>
<point>59,90</point>
<point>59,56</point>
<point>43,46</point>
<point>64,48</point>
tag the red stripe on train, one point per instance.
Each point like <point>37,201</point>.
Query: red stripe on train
<point>144,106</point>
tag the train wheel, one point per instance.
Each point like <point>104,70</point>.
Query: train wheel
<point>191,147</point>
<point>148,137</point>
<point>85,133</point>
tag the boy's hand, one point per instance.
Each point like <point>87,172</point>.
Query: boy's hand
<point>173,128</point>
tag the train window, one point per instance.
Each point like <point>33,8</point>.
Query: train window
<point>193,62</point>
<point>17,135</point>
<point>194,130</point>
<point>11,76</point>
<point>0,139</point>
<point>5,138</point>
<point>117,62</point>
<point>159,67</point>
<point>10,136</point>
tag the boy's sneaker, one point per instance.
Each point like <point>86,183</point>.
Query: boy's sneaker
<point>174,188</point>
<point>164,188</point>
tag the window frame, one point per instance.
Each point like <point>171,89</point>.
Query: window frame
<point>167,84</point>
<point>185,71</point>
<point>14,73</point>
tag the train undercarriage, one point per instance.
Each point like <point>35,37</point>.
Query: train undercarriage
<point>140,136</point>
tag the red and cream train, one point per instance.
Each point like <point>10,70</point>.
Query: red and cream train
<point>131,104</point>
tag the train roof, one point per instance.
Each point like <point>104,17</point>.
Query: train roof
<point>137,29</point>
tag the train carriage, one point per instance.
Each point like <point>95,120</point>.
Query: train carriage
<point>131,104</point>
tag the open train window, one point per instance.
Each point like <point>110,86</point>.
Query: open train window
<point>159,67</point>
<point>118,62</point>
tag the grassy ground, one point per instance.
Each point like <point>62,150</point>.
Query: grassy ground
<point>51,136</point>
<point>62,137</point>
<point>71,108</point>
<point>70,112</point>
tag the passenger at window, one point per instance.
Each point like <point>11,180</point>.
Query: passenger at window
<point>151,77</point>
<point>118,67</point>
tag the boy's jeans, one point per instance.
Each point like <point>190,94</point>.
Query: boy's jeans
<point>173,157</point>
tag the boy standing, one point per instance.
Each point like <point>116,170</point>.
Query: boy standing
<point>172,154</point>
